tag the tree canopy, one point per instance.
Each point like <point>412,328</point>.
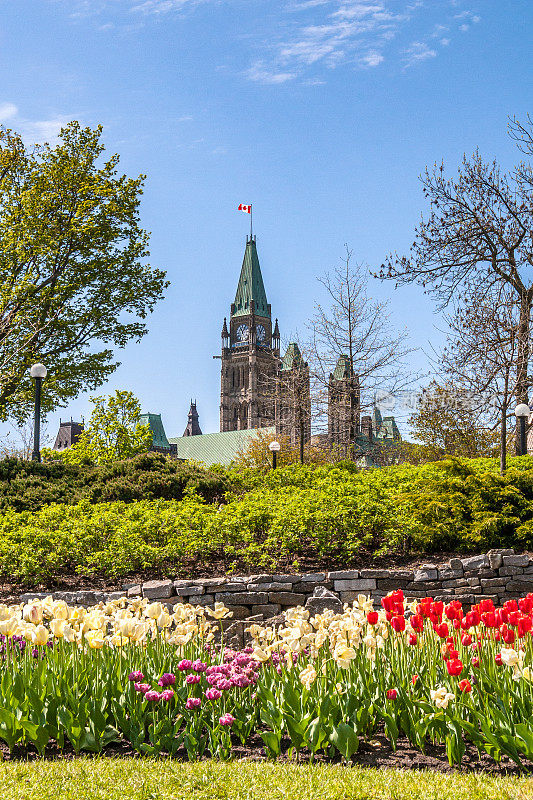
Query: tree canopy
<point>113,432</point>
<point>74,283</point>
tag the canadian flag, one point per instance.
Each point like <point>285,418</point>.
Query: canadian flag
<point>246,209</point>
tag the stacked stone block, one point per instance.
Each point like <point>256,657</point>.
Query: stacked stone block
<point>498,574</point>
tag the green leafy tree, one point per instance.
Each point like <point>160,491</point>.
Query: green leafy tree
<point>74,283</point>
<point>113,432</point>
<point>445,423</point>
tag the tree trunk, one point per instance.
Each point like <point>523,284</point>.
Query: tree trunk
<point>503,443</point>
<point>522,382</point>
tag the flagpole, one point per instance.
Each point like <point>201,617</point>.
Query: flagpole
<point>251,226</point>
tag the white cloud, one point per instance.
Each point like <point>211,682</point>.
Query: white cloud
<point>163,6</point>
<point>417,52</point>
<point>7,111</point>
<point>324,34</point>
<point>258,72</point>
<point>372,59</point>
<point>32,131</point>
<point>299,37</point>
<point>43,130</point>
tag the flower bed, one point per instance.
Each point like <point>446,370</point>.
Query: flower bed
<point>165,682</point>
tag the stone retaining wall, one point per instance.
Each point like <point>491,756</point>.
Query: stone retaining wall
<point>499,574</point>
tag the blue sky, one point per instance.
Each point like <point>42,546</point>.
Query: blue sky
<point>322,113</point>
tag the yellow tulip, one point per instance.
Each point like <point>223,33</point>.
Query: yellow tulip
<point>95,639</point>
<point>40,635</point>
<point>154,610</point>
<point>9,626</point>
<point>69,634</point>
<point>60,610</point>
<point>164,620</point>
<point>32,612</point>
<point>308,676</point>
<point>260,655</point>
<point>343,655</point>
<point>126,627</point>
<point>527,673</point>
<point>140,632</point>
<point>219,611</point>
<point>118,641</point>
<point>57,626</point>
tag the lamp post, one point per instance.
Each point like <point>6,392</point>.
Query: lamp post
<point>38,373</point>
<point>274,448</point>
<point>522,413</point>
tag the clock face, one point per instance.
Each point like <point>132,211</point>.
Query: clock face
<point>260,333</point>
<point>242,333</point>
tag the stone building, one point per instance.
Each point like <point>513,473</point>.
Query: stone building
<point>293,398</point>
<point>344,404</point>
<point>193,424</point>
<point>250,352</point>
<point>68,434</point>
<point>262,390</point>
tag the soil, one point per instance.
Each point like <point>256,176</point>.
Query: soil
<point>375,753</point>
<point>10,590</point>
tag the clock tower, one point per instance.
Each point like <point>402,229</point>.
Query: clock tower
<point>250,352</point>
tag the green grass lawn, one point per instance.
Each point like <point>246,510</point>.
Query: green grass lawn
<point>142,779</point>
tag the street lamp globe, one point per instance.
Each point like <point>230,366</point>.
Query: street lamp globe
<point>38,371</point>
<point>522,410</point>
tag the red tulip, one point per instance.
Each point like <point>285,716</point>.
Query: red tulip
<point>466,640</point>
<point>485,606</point>
<point>442,630</point>
<point>392,694</point>
<point>498,659</point>
<point>372,617</point>
<point>454,666</point>
<point>507,635</point>
<point>475,661</point>
<point>465,685</point>
<point>524,626</point>
<point>398,624</point>
<point>417,622</point>
<point>413,639</point>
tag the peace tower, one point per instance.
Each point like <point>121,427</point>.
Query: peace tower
<point>250,352</point>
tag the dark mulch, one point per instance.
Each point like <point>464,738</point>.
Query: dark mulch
<point>9,590</point>
<point>375,752</point>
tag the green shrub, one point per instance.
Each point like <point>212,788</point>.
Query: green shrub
<point>29,485</point>
<point>150,513</point>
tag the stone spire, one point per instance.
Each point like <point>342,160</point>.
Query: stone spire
<point>193,426</point>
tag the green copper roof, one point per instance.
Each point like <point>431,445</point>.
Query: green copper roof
<point>216,448</point>
<point>251,285</point>
<point>292,357</point>
<point>342,369</point>
<point>156,426</point>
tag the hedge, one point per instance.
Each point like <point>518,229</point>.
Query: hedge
<point>329,513</point>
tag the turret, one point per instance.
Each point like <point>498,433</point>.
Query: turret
<point>225,335</point>
<point>193,425</point>
<point>276,337</point>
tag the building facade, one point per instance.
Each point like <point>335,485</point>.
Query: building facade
<point>250,353</point>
